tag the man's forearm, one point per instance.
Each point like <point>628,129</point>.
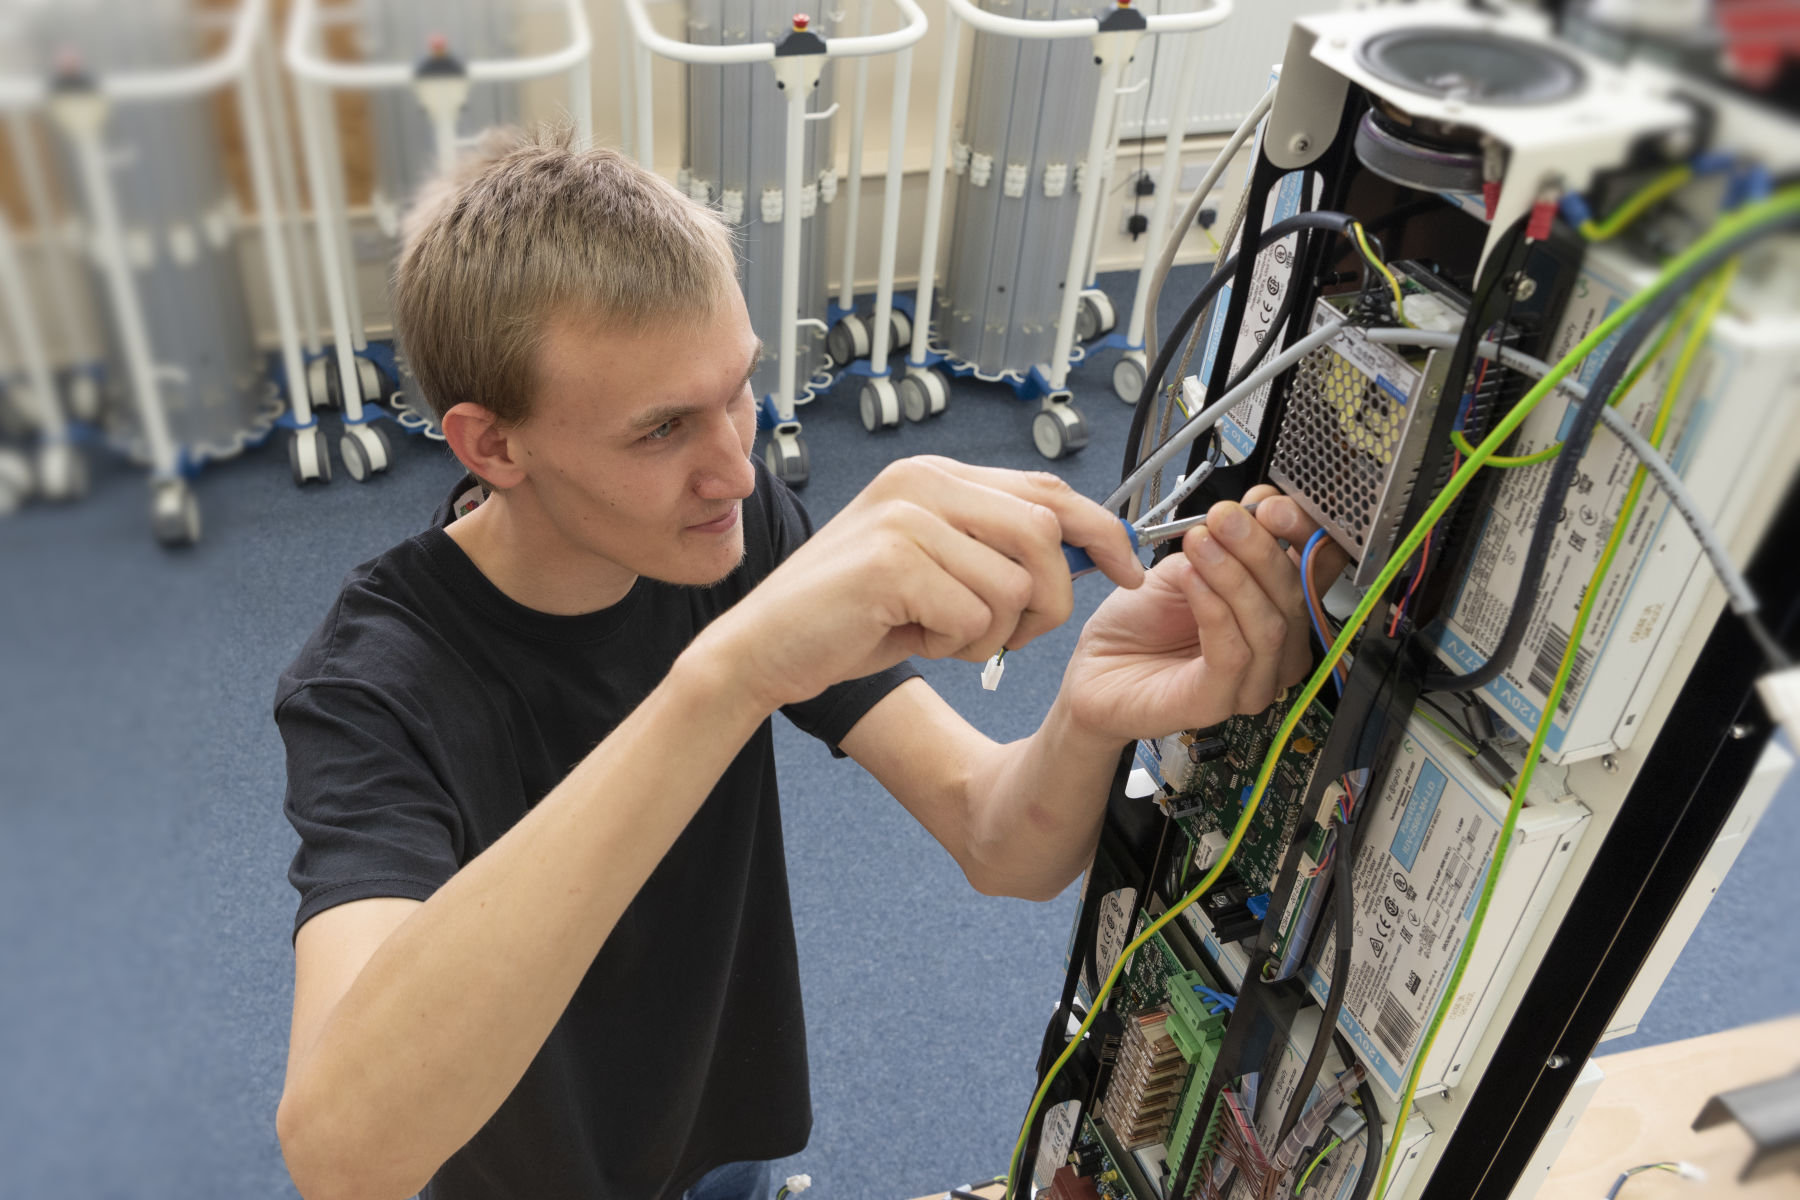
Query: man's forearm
<point>398,1079</point>
<point>1035,807</point>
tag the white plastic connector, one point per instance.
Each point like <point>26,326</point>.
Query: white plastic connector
<point>798,1183</point>
<point>731,205</point>
<point>828,184</point>
<point>1211,847</point>
<point>809,200</point>
<point>771,206</point>
<point>990,674</point>
<point>1694,1171</point>
<point>959,157</point>
<point>1012,184</point>
<point>1056,179</point>
<point>981,169</point>
<point>1780,692</point>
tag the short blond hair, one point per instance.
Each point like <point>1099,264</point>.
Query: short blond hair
<point>528,231</point>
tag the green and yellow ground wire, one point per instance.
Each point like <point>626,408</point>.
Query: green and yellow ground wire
<point>1620,218</point>
<point>1625,388</point>
<point>1715,298</point>
<point>1783,203</point>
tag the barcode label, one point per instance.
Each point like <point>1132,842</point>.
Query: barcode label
<point>1396,1027</point>
<point>1549,660</point>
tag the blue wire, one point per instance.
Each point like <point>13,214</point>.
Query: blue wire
<point>1216,1001</point>
<point>1312,608</point>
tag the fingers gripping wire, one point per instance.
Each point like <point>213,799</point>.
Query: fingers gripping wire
<point>1209,416</point>
<point>1255,374</point>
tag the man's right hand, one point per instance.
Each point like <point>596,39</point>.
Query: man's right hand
<point>934,558</point>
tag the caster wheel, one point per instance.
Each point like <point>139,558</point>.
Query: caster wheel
<point>175,514</point>
<point>880,405</point>
<point>15,481</point>
<point>848,340</point>
<point>787,459</point>
<point>323,384</point>
<point>83,397</point>
<point>923,394</point>
<point>368,374</point>
<point>1128,376</point>
<point>1094,316</point>
<point>364,449</point>
<point>1059,431</point>
<point>900,330</point>
<point>309,456</point>
<point>62,472</point>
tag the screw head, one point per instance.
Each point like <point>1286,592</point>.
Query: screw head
<point>1300,143</point>
<point>1524,287</point>
<point>1610,763</point>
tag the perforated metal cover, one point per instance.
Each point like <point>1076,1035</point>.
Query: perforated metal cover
<point>1349,445</point>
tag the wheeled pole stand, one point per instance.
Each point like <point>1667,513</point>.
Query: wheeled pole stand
<point>798,59</point>
<point>1058,429</point>
<point>441,82</point>
<point>79,104</point>
<point>1129,372</point>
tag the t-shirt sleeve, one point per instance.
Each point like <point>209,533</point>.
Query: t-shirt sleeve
<point>372,817</point>
<point>833,713</point>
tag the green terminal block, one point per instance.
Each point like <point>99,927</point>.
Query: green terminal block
<point>1198,1034</point>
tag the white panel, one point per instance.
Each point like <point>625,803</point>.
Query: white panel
<point>1557,1136</point>
<point>1236,55</point>
<point>1771,770</point>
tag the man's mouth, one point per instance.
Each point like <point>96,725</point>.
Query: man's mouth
<point>719,524</point>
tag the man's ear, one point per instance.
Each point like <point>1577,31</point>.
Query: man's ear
<point>483,445</point>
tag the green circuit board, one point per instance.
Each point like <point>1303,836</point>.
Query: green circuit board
<point>1215,796</point>
<point>1145,983</point>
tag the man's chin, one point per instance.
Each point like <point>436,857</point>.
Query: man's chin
<point>697,571</point>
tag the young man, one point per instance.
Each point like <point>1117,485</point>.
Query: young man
<point>544,946</point>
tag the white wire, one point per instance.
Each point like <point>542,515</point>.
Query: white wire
<point>1191,213</point>
<point>1743,600</point>
<point>1206,418</point>
<point>1186,486</point>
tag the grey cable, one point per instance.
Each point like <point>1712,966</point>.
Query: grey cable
<point>1208,417</point>
<point>1186,486</point>
<point>1743,601</point>
<point>1191,213</point>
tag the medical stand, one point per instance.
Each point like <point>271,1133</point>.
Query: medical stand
<point>441,82</point>
<point>799,59</point>
<point>1058,428</point>
<point>80,105</point>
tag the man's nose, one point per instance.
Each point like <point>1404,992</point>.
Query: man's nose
<point>727,473</point>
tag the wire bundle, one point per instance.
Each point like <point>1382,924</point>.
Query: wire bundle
<point>1637,316</point>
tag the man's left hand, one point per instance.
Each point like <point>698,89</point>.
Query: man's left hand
<point>1218,629</point>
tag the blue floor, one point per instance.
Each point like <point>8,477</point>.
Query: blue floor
<point>144,910</point>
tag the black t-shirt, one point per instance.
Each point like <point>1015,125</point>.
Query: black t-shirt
<point>429,713</point>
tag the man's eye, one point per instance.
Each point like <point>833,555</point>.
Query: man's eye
<point>661,433</point>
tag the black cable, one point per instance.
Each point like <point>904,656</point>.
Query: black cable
<point>1344,908</point>
<point>1575,444</point>
<point>1336,222</point>
<point>1372,1140</point>
<point>1458,723</point>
